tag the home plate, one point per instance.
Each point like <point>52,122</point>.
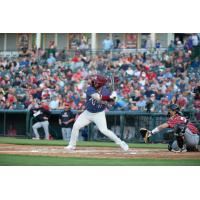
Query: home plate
<point>34,151</point>
<point>131,152</point>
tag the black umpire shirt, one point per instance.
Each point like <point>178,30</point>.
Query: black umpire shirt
<point>65,116</point>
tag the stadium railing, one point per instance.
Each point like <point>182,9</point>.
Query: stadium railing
<point>72,52</point>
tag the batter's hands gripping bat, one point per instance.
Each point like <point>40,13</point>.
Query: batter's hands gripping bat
<point>113,95</point>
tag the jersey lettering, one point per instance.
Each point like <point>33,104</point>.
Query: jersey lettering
<point>92,105</point>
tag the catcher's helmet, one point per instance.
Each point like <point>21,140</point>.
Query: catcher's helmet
<point>174,107</point>
<point>98,81</point>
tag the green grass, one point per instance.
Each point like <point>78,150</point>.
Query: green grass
<point>11,140</point>
<point>21,160</point>
<point>24,160</point>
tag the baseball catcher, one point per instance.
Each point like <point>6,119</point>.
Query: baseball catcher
<point>97,96</point>
<point>185,134</point>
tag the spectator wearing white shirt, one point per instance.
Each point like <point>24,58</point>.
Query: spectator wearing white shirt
<point>54,103</point>
<point>195,40</point>
<point>107,44</point>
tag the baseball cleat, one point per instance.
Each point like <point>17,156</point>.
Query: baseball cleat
<point>35,138</point>
<point>70,148</point>
<point>179,150</point>
<point>124,146</point>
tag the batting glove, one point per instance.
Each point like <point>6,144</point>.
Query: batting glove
<point>113,95</point>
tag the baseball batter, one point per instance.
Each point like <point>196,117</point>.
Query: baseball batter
<point>186,135</point>
<point>97,96</point>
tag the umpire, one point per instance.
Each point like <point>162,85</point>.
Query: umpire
<point>66,121</point>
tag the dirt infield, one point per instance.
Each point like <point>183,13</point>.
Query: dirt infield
<point>95,152</point>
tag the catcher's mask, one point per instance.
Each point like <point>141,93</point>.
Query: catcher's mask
<point>98,81</point>
<point>174,108</point>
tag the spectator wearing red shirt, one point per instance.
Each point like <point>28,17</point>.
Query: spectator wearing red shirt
<point>76,58</point>
<point>182,101</point>
<point>151,75</point>
<point>126,89</point>
<point>11,98</point>
<point>196,105</point>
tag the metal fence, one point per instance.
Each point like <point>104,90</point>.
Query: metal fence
<point>88,52</point>
<point>125,124</point>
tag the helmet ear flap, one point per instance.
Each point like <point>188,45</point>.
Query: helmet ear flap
<point>98,81</point>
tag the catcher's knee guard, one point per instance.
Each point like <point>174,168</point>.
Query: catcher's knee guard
<point>179,131</point>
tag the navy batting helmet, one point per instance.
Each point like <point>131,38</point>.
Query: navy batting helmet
<point>98,81</point>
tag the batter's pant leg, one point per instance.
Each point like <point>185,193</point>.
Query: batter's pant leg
<point>35,129</point>
<point>100,121</point>
<point>81,121</point>
<point>45,125</point>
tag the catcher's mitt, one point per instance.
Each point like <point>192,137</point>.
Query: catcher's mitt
<point>145,134</point>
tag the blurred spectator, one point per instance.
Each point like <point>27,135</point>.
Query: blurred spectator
<point>36,77</point>
<point>141,104</point>
<point>54,103</point>
<point>157,45</point>
<point>182,100</point>
<point>51,60</point>
<point>195,64</point>
<point>107,44</point>
<point>52,48</point>
<point>195,40</point>
<point>116,42</point>
<point>196,103</point>
<point>171,47</point>
<point>24,62</point>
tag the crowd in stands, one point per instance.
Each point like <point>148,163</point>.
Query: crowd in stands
<point>147,80</point>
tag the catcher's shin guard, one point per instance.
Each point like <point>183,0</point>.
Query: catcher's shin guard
<point>180,141</point>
